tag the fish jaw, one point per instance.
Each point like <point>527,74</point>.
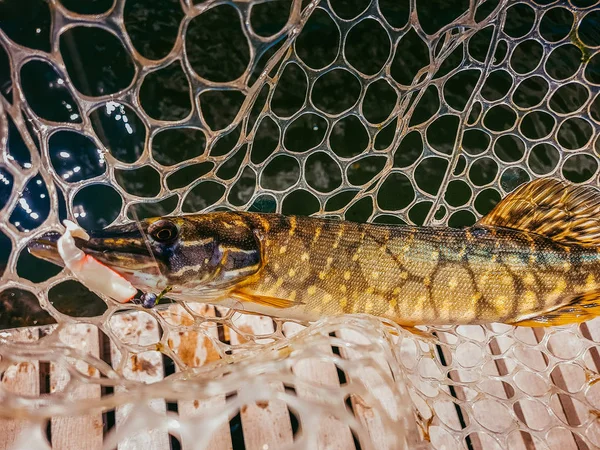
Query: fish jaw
<point>126,256</point>
<point>46,248</point>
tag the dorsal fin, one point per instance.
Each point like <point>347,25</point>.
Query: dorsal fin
<point>553,208</point>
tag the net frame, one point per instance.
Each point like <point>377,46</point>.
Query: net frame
<point>440,378</point>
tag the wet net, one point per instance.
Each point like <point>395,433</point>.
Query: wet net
<point>386,111</point>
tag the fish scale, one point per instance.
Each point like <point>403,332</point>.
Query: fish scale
<point>533,260</point>
<point>412,286</point>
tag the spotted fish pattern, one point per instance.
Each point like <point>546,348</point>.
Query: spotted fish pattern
<point>417,275</point>
<point>533,260</point>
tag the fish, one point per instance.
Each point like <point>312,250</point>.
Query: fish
<point>533,260</point>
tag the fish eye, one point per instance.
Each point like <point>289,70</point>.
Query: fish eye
<point>163,231</point>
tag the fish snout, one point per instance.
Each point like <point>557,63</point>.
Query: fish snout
<point>128,256</point>
<point>130,253</point>
<point>45,248</point>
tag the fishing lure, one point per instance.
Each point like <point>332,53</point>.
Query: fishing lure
<point>534,260</point>
<point>149,299</point>
<point>89,270</point>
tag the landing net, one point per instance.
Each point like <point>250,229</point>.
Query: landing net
<point>386,111</point>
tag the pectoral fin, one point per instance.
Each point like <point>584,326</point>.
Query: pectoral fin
<point>576,309</point>
<point>415,331</point>
<point>263,300</point>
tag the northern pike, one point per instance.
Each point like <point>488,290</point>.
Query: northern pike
<point>534,260</point>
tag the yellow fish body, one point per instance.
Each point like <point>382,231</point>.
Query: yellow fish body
<point>534,260</point>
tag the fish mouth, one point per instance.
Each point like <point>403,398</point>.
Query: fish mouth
<point>45,248</point>
<point>122,249</point>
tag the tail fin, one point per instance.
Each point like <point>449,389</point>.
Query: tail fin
<point>562,212</point>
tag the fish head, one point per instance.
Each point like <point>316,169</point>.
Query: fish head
<point>209,252</point>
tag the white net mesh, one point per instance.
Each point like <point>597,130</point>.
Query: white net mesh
<point>387,111</point>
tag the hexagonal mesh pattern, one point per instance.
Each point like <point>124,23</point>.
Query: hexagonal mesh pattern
<point>387,111</point>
